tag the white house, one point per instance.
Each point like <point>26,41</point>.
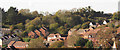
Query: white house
<point>0,43</point>
<point>104,22</point>
<point>53,36</point>
<point>91,24</point>
<point>114,46</point>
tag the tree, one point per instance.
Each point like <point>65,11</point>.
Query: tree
<point>111,25</point>
<point>27,21</point>
<point>77,26</point>
<point>116,16</point>
<point>31,25</point>
<point>53,26</point>
<point>81,42</point>
<point>76,40</point>
<point>35,21</point>
<point>3,16</point>
<point>24,11</point>
<point>11,15</point>
<point>24,34</point>
<point>37,43</point>
<point>26,39</point>
<point>62,30</point>
<point>85,25</point>
<point>30,28</point>
<point>89,44</point>
<point>12,27</point>
<point>35,14</point>
<point>20,26</point>
<point>57,44</point>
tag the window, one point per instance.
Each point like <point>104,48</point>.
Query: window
<point>61,39</point>
<point>57,39</point>
<point>55,35</point>
<point>53,40</point>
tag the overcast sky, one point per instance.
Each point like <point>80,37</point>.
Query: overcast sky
<point>108,6</point>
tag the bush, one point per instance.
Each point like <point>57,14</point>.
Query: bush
<point>26,39</point>
<point>89,44</point>
<point>57,44</point>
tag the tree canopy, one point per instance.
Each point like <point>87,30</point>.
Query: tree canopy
<point>37,43</point>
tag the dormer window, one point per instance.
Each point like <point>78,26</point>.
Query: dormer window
<point>55,35</point>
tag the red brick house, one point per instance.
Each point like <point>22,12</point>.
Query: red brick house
<point>38,32</point>
<point>41,32</point>
<point>44,31</point>
<point>18,44</point>
<point>32,35</point>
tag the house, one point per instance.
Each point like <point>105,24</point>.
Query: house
<point>71,31</point>
<point>32,35</point>
<point>82,31</point>
<point>97,24</point>
<point>44,31</point>
<point>54,37</point>
<point>51,36</point>
<point>41,32</point>
<point>0,43</point>
<point>104,22</point>
<point>38,32</point>
<point>78,31</point>
<point>17,31</point>
<point>18,44</point>
<point>6,39</point>
<point>91,24</point>
<point>114,45</point>
<point>5,30</point>
<point>91,28</point>
<point>90,33</point>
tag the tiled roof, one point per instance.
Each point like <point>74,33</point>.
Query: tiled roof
<point>20,43</point>
<point>31,33</point>
<point>44,28</point>
<point>72,30</point>
<point>51,35</point>
<point>11,42</point>
<point>81,31</point>
<point>37,32</point>
<point>118,30</point>
<point>57,35</point>
<point>43,31</point>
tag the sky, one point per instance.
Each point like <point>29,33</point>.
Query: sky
<point>108,6</point>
